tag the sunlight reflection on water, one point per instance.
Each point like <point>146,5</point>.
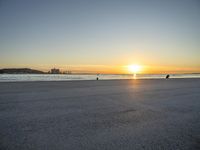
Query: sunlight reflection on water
<point>66,77</point>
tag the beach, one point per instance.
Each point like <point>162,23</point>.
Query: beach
<point>102,115</point>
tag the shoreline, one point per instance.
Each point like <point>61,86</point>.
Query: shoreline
<point>100,80</point>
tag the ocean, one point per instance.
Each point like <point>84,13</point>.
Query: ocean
<point>70,77</point>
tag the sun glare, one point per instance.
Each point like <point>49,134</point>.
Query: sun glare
<point>134,68</point>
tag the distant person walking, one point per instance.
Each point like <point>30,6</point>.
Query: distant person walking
<point>97,77</point>
<point>167,76</point>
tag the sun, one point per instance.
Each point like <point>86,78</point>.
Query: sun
<point>134,68</point>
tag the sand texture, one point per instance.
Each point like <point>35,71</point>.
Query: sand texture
<point>100,115</point>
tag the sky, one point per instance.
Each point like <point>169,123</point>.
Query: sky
<point>101,36</point>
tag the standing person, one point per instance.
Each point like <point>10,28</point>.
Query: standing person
<point>97,77</point>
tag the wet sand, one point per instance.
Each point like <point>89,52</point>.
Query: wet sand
<point>101,115</point>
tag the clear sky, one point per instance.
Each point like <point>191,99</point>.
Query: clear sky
<point>101,35</point>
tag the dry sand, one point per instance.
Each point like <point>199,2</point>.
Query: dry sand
<point>102,115</point>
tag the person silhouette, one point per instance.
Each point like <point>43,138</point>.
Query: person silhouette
<point>97,77</point>
<point>167,76</point>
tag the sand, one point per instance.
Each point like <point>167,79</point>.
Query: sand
<point>100,115</point>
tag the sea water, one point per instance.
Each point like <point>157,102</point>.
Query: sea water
<point>70,77</point>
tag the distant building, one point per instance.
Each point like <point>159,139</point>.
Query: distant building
<point>55,71</point>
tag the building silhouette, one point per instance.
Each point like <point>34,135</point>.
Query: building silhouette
<point>55,71</point>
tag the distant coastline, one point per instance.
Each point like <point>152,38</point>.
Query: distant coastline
<point>57,71</point>
<point>20,71</point>
<point>31,71</point>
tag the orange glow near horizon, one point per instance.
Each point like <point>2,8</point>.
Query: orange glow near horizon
<point>134,68</point>
<point>113,69</point>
